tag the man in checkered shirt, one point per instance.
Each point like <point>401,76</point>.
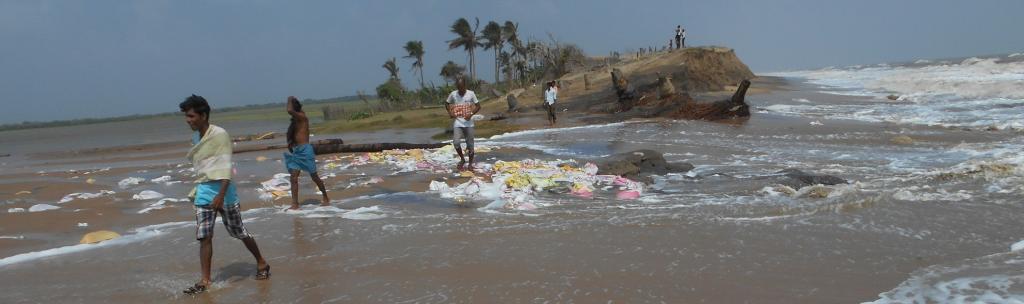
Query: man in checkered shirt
<point>462,104</point>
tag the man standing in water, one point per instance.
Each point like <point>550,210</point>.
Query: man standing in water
<point>300,156</point>
<point>550,96</point>
<point>214,192</point>
<point>462,104</point>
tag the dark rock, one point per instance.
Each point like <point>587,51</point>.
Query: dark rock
<point>513,102</point>
<point>640,164</point>
<point>797,179</point>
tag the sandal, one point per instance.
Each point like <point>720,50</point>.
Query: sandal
<point>195,289</point>
<point>263,274</point>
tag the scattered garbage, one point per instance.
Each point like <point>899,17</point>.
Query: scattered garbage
<point>42,207</point>
<point>74,196</point>
<point>98,236</point>
<point>1017,246</point>
<point>276,187</point>
<point>15,210</point>
<point>161,204</point>
<point>147,195</point>
<point>131,181</point>
<point>507,185</point>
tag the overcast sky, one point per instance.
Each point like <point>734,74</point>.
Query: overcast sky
<point>99,58</point>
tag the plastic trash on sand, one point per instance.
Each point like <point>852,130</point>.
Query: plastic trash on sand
<point>131,181</point>
<point>627,195</point>
<point>98,236</point>
<point>147,195</point>
<point>509,185</point>
<point>76,195</point>
<point>276,187</point>
<point>42,207</point>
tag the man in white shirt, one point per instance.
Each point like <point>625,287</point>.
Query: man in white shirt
<point>462,104</point>
<point>550,96</point>
<point>682,38</point>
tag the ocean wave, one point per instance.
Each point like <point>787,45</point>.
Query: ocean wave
<point>139,234</point>
<point>990,279</point>
<point>983,93</point>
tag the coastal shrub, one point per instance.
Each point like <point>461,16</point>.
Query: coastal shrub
<point>360,115</point>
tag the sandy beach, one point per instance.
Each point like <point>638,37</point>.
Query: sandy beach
<point>722,232</point>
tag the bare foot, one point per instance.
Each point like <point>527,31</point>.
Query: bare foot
<point>294,207</point>
<point>462,165</point>
<point>326,201</point>
<point>469,167</point>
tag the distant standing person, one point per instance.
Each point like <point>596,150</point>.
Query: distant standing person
<point>300,156</point>
<point>214,192</point>
<point>682,39</point>
<point>550,97</point>
<point>462,104</point>
<point>679,37</point>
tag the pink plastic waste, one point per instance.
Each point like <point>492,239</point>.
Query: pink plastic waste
<point>583,192</point>
<point>628,195</point>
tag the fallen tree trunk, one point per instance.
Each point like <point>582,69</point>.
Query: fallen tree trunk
<point>722,109</point>
<point>375,147</point>
<point>329,146</point>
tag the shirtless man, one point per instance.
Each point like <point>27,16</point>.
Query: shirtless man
<point>300,156</point>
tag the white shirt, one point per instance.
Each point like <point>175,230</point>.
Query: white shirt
<point>679,32</point>
<point>684,34</point>
<point>550,96</point>
<point>455,99</point>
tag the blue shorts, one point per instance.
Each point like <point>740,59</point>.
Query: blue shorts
<point>300,158</point>
<point>205,193</point>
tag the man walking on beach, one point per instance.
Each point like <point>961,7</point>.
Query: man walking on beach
<point>550,96</point>
<point>462,104</point>
<point>300,156</point>
<point>214,192</point>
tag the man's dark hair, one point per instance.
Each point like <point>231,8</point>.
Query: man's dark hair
<point>197,104</point>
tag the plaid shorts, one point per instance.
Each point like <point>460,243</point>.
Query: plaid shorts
<point>231,215</point>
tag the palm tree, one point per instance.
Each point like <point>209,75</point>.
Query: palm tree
<point>392,66</point>
<point>415,50</point>
<point>492,36</point>
<point>451,71</point>
<point>466,39</point>
<point>511,33</point>
<point>506,61</point>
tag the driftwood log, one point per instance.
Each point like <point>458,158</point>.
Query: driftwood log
<point>623,89</point>
<point>723,109</point>
<point>375,147</point>
<point>329,146</point>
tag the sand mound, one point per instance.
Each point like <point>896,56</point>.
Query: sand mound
<point>698,69</point>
